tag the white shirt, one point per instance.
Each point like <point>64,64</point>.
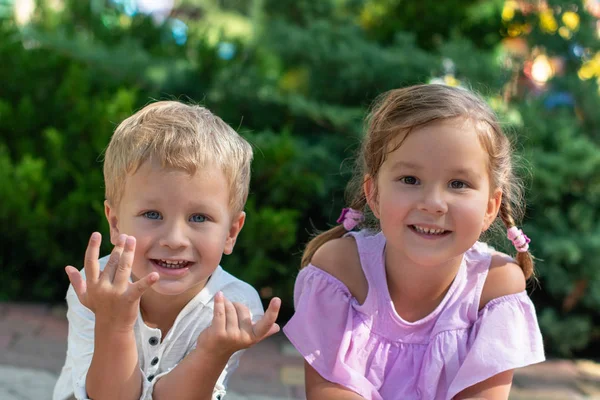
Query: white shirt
<point>157,356</point>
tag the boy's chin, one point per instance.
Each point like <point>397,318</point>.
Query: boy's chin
<point>166,288</point>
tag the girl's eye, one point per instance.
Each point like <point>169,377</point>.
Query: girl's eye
<point>152,215</point>
<point>198,218</point>
<point>409,180</point>
<point>458,185</point>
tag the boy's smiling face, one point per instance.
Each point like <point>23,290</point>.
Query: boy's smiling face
<point>182,223</point>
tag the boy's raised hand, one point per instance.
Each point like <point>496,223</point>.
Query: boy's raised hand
<point>232,328</point>
<point>108,293</point>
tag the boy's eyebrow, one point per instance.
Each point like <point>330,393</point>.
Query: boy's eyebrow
<point>155,202</point>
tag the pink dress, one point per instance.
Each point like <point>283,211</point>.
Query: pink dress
<point>370,349</point>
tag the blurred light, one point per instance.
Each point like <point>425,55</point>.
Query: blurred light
<point>508,12</point>
<point>577,50</point>
<point>586,71</point>
<point>179,30</point>
<point>159,9</point>
<point>516,46</point>
<point>571,20</point>
<point>593,7</point>
<point>226,51</point>
<point>548,23</point>
<point>541,69</point>
<point>590,68</point>
<point>448,66</point>
<point>24,10</point>
<point>129,7</point>
<point>565,32</point>
<point>559,99</point>
<point>450,80</point>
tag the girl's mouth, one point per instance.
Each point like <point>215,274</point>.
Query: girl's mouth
<point>429,232</point>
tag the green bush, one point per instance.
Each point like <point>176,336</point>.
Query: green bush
<point>295,78</point>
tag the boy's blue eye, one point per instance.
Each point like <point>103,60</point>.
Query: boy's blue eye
<point>409,180</point>
<point>458,185</point>
<point>198,218</point>
<point>152,215</point>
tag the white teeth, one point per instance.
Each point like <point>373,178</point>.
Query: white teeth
<point>428,230</point>
<point>171,264</point>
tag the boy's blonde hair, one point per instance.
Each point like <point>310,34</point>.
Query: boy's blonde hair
<point>180,136</point>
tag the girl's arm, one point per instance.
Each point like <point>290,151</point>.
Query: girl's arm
<point>318,388</point>
<point>495,388</point>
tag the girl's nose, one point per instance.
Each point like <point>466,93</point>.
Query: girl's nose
<point>433,202</point>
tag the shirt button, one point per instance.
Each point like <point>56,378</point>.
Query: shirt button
<point>153,341</point>
<point>150,378</point>
<point>154,361</point>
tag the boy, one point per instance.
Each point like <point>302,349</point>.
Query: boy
<point>159,318</point>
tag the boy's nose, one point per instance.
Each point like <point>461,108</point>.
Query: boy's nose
<point>174,237</point>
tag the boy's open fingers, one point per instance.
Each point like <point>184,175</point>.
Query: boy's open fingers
<point>144,284</point>
<point>219,312</point>
<point>231,318</point>
<point>77,281</point>
<point>113,261</point>
<point>123,269</point>
<point>266,326</point>
<point>243,316</point>
<point>92,254</point>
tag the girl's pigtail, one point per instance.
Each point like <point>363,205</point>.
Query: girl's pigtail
<point>519,239</point>
<point>354,213</point>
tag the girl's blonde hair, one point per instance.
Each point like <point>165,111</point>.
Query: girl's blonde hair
<point>180,136</point>
<point>400,111</point>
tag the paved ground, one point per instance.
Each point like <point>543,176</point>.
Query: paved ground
<point>33,344</point>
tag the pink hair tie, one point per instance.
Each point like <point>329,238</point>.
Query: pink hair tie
<point>518,238</point>
<point>350,218</point>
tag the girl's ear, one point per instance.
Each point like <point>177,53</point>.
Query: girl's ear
<point>370,189</point>
<point>493,207</point>
<point>113,221</point>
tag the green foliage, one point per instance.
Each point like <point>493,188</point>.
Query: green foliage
<point>295,77</point>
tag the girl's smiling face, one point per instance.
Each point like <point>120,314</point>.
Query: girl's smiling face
<point>433,195</point>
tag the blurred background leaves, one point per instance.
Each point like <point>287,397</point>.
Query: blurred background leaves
<point>296,77</point>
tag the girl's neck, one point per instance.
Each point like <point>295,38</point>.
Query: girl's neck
<point>417,290</point>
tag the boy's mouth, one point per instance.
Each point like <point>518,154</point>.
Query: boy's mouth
<point>172,264</point>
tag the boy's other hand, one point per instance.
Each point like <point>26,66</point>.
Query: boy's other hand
<point>232,328</point>
<point>108,293</point>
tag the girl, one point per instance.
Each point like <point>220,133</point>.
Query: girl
<point>415,307</point>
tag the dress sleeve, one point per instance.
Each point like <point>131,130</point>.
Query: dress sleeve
<point>323,330</point>
<point>505,336</point>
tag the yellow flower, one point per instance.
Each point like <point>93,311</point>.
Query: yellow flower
<point>571,20</point>
<point>565,32</point>
<point>508,12</point>
<point>548,22</point>
<point>450,80</point>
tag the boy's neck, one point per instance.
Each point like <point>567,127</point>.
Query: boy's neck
<point>160,311</point>
<point>415,290</point>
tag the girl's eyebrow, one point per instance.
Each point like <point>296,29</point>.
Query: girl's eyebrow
<point>465,172</point>
<point>407,165</point>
